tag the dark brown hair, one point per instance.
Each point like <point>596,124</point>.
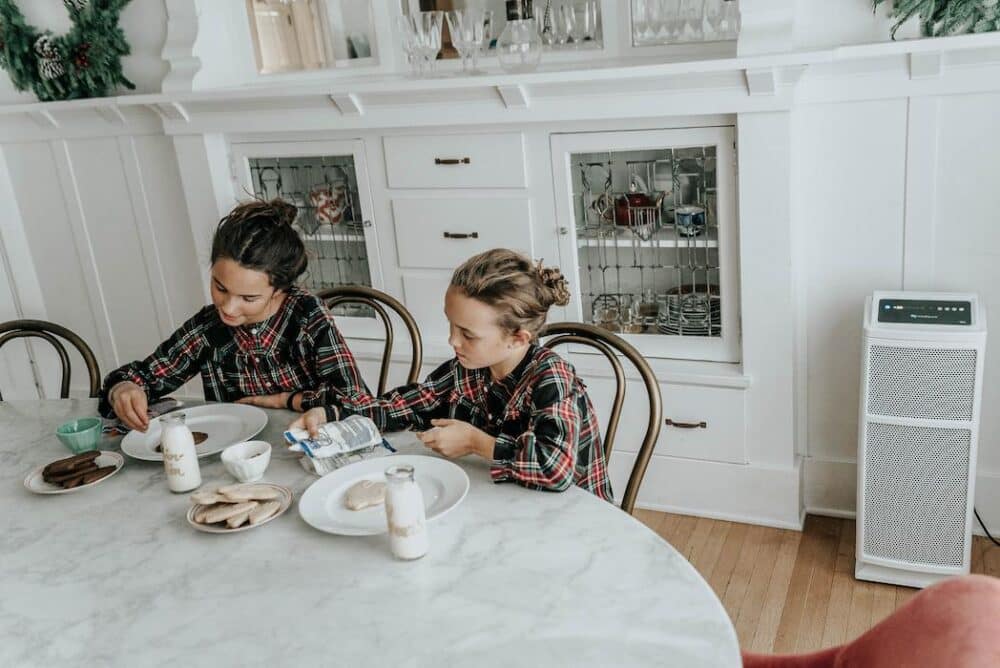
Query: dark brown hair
<point>258,235</point>
<point>521,291</point>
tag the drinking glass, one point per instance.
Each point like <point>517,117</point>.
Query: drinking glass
<point>470,29</point>
<point>713,19</point>
<point>585,18</point>
<point>427,29</point>
<point>692,14</point>
<point>565,24</point>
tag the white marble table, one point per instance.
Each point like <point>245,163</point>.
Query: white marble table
<point>113,575</point>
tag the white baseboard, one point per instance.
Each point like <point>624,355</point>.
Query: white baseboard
<point>740,493</point>
<point>830,490</point>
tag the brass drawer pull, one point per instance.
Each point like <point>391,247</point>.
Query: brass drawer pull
<point>452,161</point>
<point>687,425</point>
<point>461,235</point>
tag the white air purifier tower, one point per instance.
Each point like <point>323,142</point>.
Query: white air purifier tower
<point>921,394</point>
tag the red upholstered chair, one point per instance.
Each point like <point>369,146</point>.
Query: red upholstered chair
<point>955,623</point>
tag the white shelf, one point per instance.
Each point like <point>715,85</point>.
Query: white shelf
<point>348,237</point>
<point>665,237</point>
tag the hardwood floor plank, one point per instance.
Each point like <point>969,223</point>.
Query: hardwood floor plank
<point>904,594</point>
<point>699,536</point>
<point>723,570</point>
<point>705,559</point>
<point>777,593</point>
<point>786,639</point>
<point>883,603</point>
<point>650,518</point>
<point>682,533</point>
<point>817,602</point>
<point>839,608</point>
<point>739,580</point>
<point>860,616</point>
<point>748,618</point>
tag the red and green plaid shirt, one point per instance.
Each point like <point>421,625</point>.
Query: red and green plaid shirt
<point>545,426</point>
<point>298,348</point>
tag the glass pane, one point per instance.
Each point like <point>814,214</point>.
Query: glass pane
<point>325,190</point>
<point>656,22</point>
<point>563,24</point>
<point>648,240</point>
<point>291,35</point>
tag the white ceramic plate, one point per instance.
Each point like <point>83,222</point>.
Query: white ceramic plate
<point>285,499</point>
<point>34,482</point>
<point>442,483</point>
<point>224,424</point>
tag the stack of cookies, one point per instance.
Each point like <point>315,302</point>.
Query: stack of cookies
<point>77,470</point>
<point>235,505</point>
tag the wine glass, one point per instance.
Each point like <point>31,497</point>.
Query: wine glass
<point>692,14</point>
<point>427,29</point>
<point>640,21</point>
<point>408,42</point>
<point>565,24</point>
<point>470,29</point>
<point>713,18</point>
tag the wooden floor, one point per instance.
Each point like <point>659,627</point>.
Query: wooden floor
<point>787,591</point>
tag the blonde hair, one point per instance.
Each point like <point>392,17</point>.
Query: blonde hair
<point>520,290</point>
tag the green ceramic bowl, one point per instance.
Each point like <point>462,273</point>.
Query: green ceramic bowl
<point>80,435</point>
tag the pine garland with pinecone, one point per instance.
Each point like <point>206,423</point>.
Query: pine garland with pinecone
<point>85,62</point>
<point>946,17</point>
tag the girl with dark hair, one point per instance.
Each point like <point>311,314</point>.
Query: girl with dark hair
<point>262,341</point>
<point>503,397</point>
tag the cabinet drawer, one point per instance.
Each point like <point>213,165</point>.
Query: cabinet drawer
<point>455,161</point>
<point>721,409</point>
<point>443,233</point>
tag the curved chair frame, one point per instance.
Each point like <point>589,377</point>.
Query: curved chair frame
<point>377,301</point>
<point>48,331</point>
<point>612,346</point>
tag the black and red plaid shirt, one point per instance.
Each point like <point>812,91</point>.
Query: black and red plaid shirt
<point>545,427</point>
<point>297,348</point>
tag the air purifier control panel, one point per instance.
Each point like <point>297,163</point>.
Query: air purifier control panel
<point>925,311</point>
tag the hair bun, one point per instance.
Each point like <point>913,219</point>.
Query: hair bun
<point>555,284</point>
<point>285,212</point>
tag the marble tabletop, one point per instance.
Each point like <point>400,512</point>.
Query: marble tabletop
<point>114,575</point>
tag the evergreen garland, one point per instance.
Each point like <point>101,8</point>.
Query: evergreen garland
<point>946,17</point>
<point>85,62</point>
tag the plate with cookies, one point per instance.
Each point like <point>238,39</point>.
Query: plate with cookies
<point>214,427</point>
<point>350,501</point>
<point>72,474</point>
<point>235,508</point>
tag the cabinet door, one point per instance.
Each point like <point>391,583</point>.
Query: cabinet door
<point>328,182</point>
<point>648,223</point>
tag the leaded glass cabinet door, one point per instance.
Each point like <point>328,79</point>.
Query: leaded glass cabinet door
<point>328,182</point>
<point>648,236</point>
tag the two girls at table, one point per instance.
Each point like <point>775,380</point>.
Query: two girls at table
<point>266,342</point>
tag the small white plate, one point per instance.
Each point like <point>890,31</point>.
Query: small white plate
<point>224,424</point>
<point>286,501</point>
<point>34,482</point>
<point>442,483</point>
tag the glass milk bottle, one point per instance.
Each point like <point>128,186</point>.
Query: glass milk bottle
<point>180,461</point>
<point>404,511</point>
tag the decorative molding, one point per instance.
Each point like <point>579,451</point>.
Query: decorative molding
<point>171,111</point>
<point>43,118</point>
<point>348,104</point>
<point>178,48</point>
<point>926,65</point>
<point>761,81</point>
<point>112,113</point>
<point>514,97</point>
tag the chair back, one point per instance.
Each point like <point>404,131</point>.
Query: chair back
<point>612,347</point>
<point>379,302</point>
<point>48,331</point>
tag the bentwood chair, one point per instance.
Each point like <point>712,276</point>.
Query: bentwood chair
<point>48,331</point>
<point>379,302</point>
<point>612,346</point>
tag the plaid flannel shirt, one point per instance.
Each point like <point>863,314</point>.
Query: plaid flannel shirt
<point>546,430</point>
<point>298,348</point>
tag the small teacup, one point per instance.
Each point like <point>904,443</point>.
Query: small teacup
<point>247,461</point>
<point>80,435</point>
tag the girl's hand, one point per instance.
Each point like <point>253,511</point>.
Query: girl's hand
<point>454,438</point>
<point>130,405</point>
<point>266,400</point>
<point>310,421</point>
